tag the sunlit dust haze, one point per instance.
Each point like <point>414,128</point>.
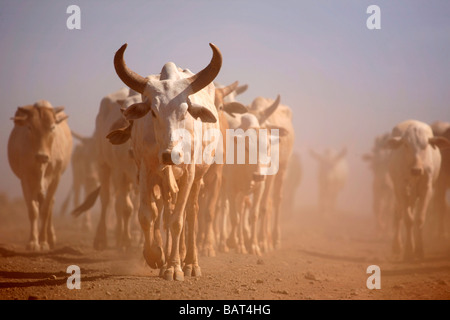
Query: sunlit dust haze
<point>345,83</point>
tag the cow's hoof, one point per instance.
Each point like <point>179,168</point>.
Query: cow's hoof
<point>33,246</point>
<point>276,244</point>
<point>223,248</point>
<point>241,249</point>
<point>162,271</point>
<point>192,270</point>
<point>208,251</point>
<point>254,249</point>
<point>44,246</point>
<point>154,256</point>
<point>178,275</point>
<point>168,274</point>
<point>174,274</point>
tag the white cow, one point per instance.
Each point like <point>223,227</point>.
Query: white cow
<point>414,167</point>
<point>172,100</point>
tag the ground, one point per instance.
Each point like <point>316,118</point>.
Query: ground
<point>320,258</point>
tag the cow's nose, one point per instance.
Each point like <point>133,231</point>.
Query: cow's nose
<point>257,177</point>
<point>42,157</point>
<point>416,171</point>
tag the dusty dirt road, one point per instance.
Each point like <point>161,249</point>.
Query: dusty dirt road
<point>320,258</point>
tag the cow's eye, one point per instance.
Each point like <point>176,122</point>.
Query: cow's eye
<point>153,113</point>
<point>53,127</point>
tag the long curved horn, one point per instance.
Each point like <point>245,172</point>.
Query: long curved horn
<point>206,76</point>
<point>268,111</point>
<point>229,89</point>
<point>128,76</point>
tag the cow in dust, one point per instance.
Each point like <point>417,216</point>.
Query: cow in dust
<point>213,180</point>
<point>382,187</point>
<point>174,103</point>
<point>246,181</point>
<point>271,114</point>
<point>39,150</point>
<point>292,182</point>
<point>332,177</point>
<point>116,169</point>
<point>84,175</point>
<point>440,205</point>
<point>414,167</point>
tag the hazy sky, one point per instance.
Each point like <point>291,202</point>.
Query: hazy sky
<point>344,82</point>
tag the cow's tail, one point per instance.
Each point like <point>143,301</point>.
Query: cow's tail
<point>87,204</point>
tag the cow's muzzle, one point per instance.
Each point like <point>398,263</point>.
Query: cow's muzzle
<point>42,157</point>
<point>416,171</point>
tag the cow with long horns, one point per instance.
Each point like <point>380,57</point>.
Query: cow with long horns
<point>172,104</point>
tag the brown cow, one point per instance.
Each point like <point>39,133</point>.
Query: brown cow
<point>39,150</point>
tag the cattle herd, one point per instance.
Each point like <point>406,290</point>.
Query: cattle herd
<point>184,208</point>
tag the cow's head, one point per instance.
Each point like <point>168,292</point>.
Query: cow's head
<point>262,110</point>
<point>40,121</point>
<point>415,143</point>
<point>249,132</point>
<point>230,107</point>
<point>328,162</point>
<point>167,98</point>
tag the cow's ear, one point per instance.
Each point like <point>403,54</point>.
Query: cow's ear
<point>198,111</point>
<point>119,136</point>
<point>440,142</point>
<point>234,107</point>
<point>136,111</point>
<point>19,120</point>
<point>60,117</point>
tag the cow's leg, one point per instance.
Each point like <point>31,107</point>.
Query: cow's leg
<point>47,237</point>
<point>191,267</point>
<point>223,212</point>
<point>232,240</point>
<point>174,271</point>
<point>100,242</point>
<point>240,206</point>
<point>397,240</point>
<point>265,234</point>
<point>277,198</point>
<point>126,215</point>
<point>32,203</point>
<point>211,197</point>
<point>409,220</point>
<point>254,215</point>
<point>419,220</point>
